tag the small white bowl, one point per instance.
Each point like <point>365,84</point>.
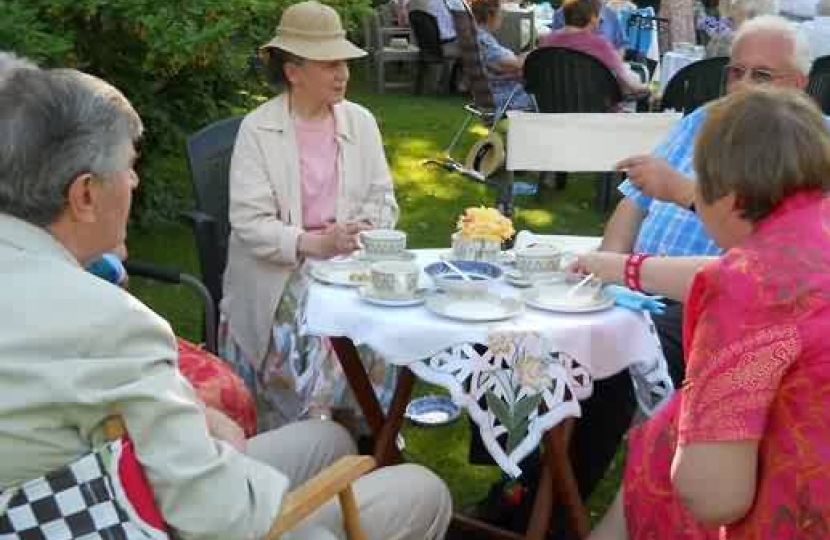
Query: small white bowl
<point>481,274</point>
<point>432,411</point>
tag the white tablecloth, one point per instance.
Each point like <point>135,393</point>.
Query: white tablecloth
<point>562,351</point>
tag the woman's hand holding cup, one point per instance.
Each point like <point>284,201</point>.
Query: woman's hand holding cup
<point>347,236</point>
<point>335,239</point>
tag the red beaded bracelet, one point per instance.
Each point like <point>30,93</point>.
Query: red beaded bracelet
<point>633,264</point>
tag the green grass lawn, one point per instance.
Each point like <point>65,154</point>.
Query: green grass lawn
<point>414,128</point>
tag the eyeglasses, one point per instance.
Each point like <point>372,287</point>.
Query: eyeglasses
<point>756,75</point>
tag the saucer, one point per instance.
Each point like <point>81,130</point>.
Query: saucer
<point>484,308</point>
<point>522,281</point>
<point>561,303</point>
<point>400,256</point>
<point>344,274</point>
<point>367,294</point>
<point>430,411</point>
<point>505,258</point>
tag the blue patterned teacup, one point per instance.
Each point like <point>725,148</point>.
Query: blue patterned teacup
<point>379,242</point>
<point>538,260</point>
<point>395,280</point>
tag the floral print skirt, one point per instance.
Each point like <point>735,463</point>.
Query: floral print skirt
<point>301,376</point>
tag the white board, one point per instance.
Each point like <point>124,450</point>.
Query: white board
<point>582,141</point>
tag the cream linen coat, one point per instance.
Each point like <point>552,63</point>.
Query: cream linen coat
<point>266,209</point>
<point>75,349</point>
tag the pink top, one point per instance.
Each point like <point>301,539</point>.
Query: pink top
<point>588,42</point>
<point>758,369</point>
<point>317,145</point>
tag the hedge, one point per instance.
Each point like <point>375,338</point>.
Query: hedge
<point>182,63</point>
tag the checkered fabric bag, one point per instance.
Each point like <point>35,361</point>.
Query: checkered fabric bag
<point>84,500</point>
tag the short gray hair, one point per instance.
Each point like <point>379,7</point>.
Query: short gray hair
<point>56,125</point>
<point>778,25</point>
<point>10,62</point>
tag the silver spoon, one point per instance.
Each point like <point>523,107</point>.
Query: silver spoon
<point>572,290</point>
<point>458,271</point>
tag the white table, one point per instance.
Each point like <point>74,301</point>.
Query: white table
<point>547,358</point>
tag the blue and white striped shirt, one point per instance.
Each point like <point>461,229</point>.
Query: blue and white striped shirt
<point>667,228</point>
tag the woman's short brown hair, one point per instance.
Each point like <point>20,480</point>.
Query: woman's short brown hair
<point>763,145</point>
<point>580,13</point>
<point>484,9</point>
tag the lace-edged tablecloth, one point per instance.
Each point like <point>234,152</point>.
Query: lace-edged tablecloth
<point>516,378</point>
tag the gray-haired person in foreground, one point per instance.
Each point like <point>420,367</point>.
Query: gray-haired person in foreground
<point>74,351</point>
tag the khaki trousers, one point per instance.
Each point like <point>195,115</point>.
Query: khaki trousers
<point>404,502</point>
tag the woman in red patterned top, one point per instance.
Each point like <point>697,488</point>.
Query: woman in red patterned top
<point>741,451</point>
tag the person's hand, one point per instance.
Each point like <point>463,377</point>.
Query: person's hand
<point>344,238</point>
<point>657,179</point>
<point>353,227</point>
<point>121,252</point>
<point>607,266</point>
<point>335,239</point>
<point>221,427</point>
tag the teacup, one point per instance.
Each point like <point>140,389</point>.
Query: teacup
<point>537,260</point>
<point>395,279</point>
<point>379,242</point>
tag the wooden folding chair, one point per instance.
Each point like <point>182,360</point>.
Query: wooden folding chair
<point>334,480</point>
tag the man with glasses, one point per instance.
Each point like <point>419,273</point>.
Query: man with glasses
<point>656,217</point>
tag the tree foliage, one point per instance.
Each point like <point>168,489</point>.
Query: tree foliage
<point>182,63</point>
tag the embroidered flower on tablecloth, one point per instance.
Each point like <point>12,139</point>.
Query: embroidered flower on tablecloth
<point>532,372</point>
<point>501,345</point>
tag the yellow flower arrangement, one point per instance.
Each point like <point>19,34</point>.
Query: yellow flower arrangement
<point>485,224</point>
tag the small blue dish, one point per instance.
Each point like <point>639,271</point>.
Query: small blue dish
<point>481,275</point>
<point>432,411</point>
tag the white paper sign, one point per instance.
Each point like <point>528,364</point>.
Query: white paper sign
<point>582,141</point>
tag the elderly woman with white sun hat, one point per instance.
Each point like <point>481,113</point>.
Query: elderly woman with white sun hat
<point>308,174</point>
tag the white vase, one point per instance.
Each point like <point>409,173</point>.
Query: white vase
<point>475,249</point>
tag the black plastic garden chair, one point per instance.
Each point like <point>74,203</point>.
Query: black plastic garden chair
<point>173,276</point>
<point>695,85</point>
<point>566,81</point>
<point>209,157</point>
<point>819,85</point>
